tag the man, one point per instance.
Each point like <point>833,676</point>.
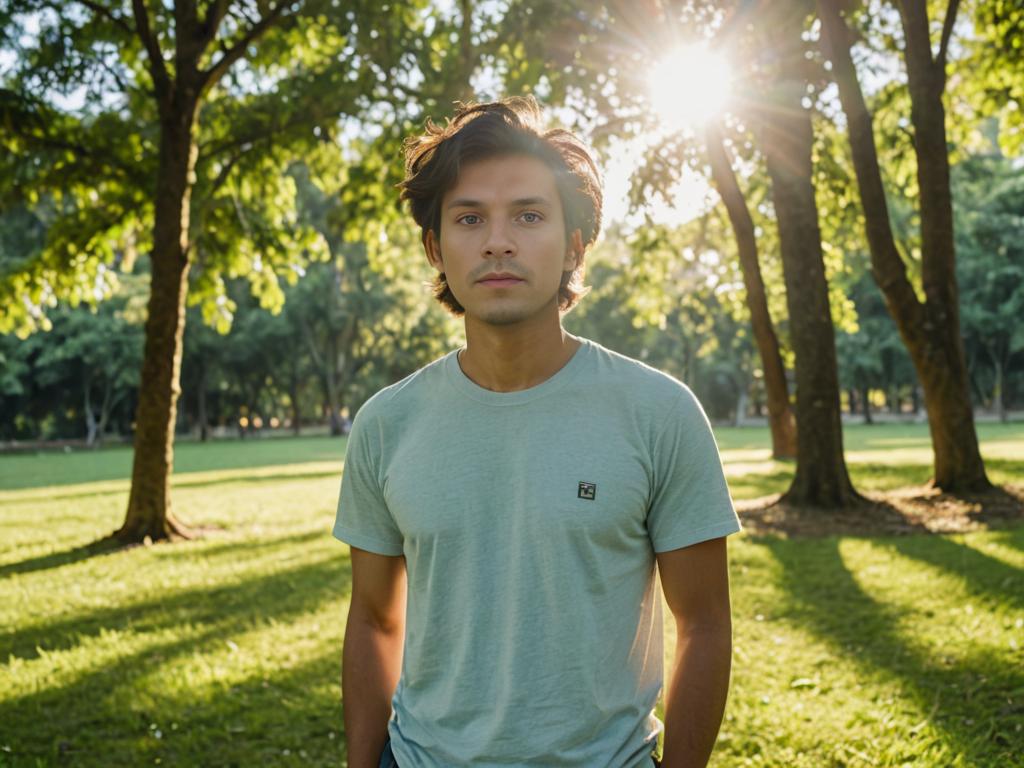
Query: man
<point>506,504</point>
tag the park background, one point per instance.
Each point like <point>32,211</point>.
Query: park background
<point>814,217</point>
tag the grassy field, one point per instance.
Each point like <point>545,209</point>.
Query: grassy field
<point>901,651</point>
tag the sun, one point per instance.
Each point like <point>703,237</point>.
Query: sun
<point>689,86</point>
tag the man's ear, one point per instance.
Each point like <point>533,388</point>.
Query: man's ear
<point>433,250</point>
<point>574,253</point>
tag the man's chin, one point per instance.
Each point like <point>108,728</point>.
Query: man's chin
<point>503,316</point>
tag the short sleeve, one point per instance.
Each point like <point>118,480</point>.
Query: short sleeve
<point>364,520</point>
<point>690,502</point>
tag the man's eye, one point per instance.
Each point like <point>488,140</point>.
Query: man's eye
<point>529,217</point>
<point>469,218</point>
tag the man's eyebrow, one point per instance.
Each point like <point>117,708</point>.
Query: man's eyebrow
<point>531,201</point>
<point>463,202</point>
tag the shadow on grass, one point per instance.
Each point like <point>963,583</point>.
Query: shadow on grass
<point>1013,538</point>
<point>234,546</point>
<point>770,516</point>
<point>970,697</point>
<point>288,590</point>
<point>985,577</point>
<point>254,722</point>
<point>180,481</point>
<point>57,559</point>
<point>866,476</point>
<point>107,546</point>
<point>185,482</point>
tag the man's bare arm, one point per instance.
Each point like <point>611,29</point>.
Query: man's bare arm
<point>372,655</point>
<point>695,580</point>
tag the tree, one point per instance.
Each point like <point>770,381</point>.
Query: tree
<point>786,138</point>
<point>780,415</point>
<point>930,327</point>
<point>174,104</point>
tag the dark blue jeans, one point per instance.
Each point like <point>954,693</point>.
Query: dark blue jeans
<point>387,757</point>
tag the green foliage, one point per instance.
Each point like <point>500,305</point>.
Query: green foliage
<point>78,375</point>
<point>990,268</point>
<point>996,83</point>
<point>93,155</point>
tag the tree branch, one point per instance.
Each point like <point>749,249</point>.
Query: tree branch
<point>108,14</point>
<point>210,76</point>
<point>211,21</point>
<point>947,33</point>
<point>157,66</point>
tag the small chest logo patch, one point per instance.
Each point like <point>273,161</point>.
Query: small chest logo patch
<point>588,491</point>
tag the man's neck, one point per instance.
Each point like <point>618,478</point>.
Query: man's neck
<point>512,358</point>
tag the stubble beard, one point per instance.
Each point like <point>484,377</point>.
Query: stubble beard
<point>511,315</point>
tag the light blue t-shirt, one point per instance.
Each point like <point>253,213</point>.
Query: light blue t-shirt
<point>529,522</point>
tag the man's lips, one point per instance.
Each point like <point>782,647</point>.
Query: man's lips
<point>500,279</point>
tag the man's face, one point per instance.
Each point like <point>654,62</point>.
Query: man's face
<point>504,216</point>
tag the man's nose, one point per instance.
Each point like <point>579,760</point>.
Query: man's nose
<point>499,242</point>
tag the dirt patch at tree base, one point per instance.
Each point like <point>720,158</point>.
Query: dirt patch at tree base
<point>916,509</point>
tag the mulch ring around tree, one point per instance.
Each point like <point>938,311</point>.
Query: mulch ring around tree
<point>916,509</point>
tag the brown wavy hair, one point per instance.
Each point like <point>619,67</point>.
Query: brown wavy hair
<point>507,127</point>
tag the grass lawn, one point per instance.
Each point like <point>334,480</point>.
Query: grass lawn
<point>848,651</point>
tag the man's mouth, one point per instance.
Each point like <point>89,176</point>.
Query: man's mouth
<point>500,280</point>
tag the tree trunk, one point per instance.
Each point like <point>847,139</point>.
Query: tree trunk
<point>821,476</point>
<point>866,398</point>
<point>105,408</point>
<point>331,360</point>
<point>90,416</point>
<point>998,396</point>
<point>741,407</point>
<point>931,331</point>
<point>780,415</point>
<point>293,390</point>
<point>204,419</point>
<point>149,504</point>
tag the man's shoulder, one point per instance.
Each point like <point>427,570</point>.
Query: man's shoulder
<point>405,392</point>
<point>638,381</point>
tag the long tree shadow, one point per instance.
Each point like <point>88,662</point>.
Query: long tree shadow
<point>984,576</point>
<point>828,601</point>
<point>107,546</point>
<point>58,559</point>
<point>285,717</point>
<point>28,723</point>
<point>234,546</point>
<point>184,481</point>
<point>1013,538</point>
<point>257,479</point>
<point>289,589</point>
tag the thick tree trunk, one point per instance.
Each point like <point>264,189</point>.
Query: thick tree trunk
<point>780,415</point>
<point>821,477</point>
<point>931,331</point>
<point>149,504</point>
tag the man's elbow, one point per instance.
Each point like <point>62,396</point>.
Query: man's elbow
<point>713,626</point>
<point>365,618</point>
